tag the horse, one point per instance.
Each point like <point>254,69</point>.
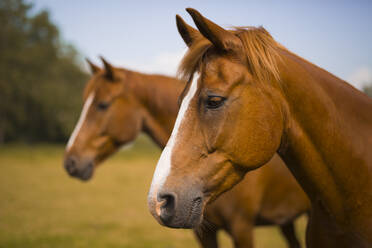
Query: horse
<point>248,98</point>
<point>124,103</point>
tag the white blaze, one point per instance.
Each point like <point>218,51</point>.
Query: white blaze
<point>81,121</point>
<point>164,164</point>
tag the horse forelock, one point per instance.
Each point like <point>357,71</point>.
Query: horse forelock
<point>99,79</point>
<point>261,54</point>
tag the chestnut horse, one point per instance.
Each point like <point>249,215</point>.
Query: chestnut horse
<point>125,103</point>
<point>247,98</point>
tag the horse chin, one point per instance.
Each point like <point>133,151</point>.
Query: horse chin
<point>87,174</point>
<point>196,214</point>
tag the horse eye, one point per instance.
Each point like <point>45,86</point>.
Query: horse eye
<point>103,105</point>
<point>214,102</point>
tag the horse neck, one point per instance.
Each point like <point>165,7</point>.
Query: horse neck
<point>327,137</point>
<point>158,97</point>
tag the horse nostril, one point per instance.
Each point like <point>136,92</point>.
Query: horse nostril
<point>168,206</point>
<point>70,166</point>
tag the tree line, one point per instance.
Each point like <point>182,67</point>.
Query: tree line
<point>40,77</point>
<point>368,89</point>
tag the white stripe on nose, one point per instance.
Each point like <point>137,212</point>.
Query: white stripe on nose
<point>164,164</point>
<point>81,121</point>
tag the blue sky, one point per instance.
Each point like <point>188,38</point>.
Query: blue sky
<point>142,35</point>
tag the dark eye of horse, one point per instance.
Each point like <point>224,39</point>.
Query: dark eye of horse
<point>103,105</point>
<point>214,102</point>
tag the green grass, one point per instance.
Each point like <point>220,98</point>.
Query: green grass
<point>41,206</point>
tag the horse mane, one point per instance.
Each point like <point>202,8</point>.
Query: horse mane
<point>260,52</point>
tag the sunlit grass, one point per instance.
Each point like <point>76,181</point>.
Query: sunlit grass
<point>41,206</point>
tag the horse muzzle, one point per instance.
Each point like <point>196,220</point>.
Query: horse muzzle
<point>79,169</point>
<point>177,209</point>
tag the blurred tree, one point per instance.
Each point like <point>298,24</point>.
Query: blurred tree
<point>40,79</point>
<point>368,89</point>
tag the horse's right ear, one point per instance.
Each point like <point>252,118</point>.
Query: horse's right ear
<point>93,68</point>
<point>221,38</point>
<point>188,33</point>
<point>109,69</point>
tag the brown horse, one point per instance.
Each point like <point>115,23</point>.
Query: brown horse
<point>249,97</point>
<point>118,104</point>
<point>125,103</point>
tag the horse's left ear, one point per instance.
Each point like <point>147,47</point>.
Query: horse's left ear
<point>188,33</point>
<point>109,69</point>
<point>221,38</point>
<point>93,68</point>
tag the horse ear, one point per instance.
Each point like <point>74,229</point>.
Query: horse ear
<point>221,38</point>
<point>188,33</point>
<point>93,68</point>
<point>109,69</point>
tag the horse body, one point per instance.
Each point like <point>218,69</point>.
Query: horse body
<point>254,98</point>
<point>149,103</point>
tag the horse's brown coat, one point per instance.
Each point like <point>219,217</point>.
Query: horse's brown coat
<point>268,196</point>
<point>320,126</point>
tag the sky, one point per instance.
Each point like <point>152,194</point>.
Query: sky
<point>142,35</point>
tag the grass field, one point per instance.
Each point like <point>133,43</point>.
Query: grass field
<point>41,206</point>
